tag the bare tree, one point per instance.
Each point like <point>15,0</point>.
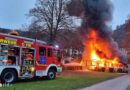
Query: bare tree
<point>50,17</point>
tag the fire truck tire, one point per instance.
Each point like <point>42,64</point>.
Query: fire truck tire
<point>8,76</point>
<point>51,74</point>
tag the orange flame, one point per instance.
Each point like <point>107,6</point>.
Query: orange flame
<point>96,53</point>
<point>94,56</point>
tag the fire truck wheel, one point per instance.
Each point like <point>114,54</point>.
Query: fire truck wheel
<point>8,76</point>
<point>51,74</point>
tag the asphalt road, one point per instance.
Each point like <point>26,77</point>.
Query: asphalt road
<point>120,83</point>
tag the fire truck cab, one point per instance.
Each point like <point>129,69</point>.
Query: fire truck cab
<point>22,58</point>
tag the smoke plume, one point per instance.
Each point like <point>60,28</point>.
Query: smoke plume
<point>95,16</point>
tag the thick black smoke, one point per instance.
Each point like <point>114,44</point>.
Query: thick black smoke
<point>95,14</point>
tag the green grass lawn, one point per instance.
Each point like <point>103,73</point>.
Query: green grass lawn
<point>68,80</point>
<point>128,88</point>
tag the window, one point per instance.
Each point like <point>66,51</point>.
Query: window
<point>42,51</point>
<point>28,57</point>
<point>49,52</point>
<point>28,53</point>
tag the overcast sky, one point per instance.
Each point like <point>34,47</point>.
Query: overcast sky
<point>13,12</point>
<point>121,12</point>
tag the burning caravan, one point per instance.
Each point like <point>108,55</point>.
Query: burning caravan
<point>98,55</point>
<point>100,50</point>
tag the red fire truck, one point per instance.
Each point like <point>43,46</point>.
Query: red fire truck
<point>22,58</point>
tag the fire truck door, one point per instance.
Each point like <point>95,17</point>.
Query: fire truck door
<point>42,53</point>
<point>49,55</point>
<point>27,62</point>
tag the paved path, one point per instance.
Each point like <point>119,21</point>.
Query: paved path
<point>120,83</point>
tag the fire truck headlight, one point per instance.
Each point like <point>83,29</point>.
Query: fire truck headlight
<point>32,69</point>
